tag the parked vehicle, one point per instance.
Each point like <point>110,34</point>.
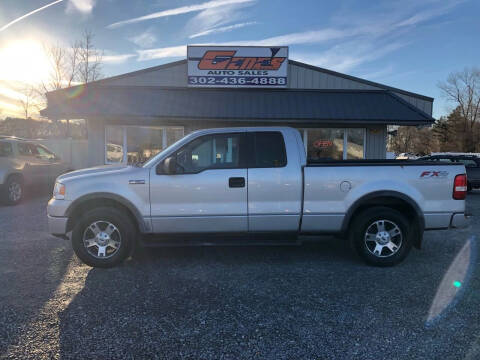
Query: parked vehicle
<point>254,185</point>
<point>471,162</point>
<point>24,163</point>
<point>407,156</point>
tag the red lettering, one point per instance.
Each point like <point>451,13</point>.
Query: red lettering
<point>215,60</point>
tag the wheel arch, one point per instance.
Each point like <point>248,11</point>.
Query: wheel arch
<point>100,199</point>
<point>14,174</point>
<point>392,199</point>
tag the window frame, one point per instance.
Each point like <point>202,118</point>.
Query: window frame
<point>124,140</point>
<point>304,133</point>
<point>243,158</point>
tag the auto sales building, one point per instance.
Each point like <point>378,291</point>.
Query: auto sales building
<point>133,116</point>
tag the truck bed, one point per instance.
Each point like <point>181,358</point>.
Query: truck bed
<point>373,162</point>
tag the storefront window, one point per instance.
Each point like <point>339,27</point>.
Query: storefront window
<point>143,143</point>
<point>137,144</point>
<point>113,144</point>
<point>323,144</point>
<point>334,143</point>
<point>355,143</point>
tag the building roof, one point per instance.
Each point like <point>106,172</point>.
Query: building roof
<point>269,105</point>
<point>106,81</point>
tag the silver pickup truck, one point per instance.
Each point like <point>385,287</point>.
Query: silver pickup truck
<point>254,186</point>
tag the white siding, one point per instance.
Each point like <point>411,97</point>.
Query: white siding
<point>376,142</point>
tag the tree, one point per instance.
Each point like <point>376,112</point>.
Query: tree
<point>80,63</point>
<point>463,89</point>
<point>28,101</point>
<point>412,139</point>
<point>89,58</point>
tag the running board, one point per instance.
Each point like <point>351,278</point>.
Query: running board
<point>169,240</point>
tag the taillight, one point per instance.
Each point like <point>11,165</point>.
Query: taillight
<point>460,187</point>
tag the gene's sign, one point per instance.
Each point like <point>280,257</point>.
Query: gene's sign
<point>237,66</point>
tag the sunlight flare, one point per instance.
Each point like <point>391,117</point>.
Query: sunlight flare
<point>24,61</point>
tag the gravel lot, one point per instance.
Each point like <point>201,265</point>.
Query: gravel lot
<point>316,301</point>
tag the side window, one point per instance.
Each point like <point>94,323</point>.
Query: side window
<point>5,149</point>
<point>222,151</point>
<point>43,152</point>
<point>25,149</point>
<point>268,150</point>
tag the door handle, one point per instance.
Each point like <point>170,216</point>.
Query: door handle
<point>236,182</point>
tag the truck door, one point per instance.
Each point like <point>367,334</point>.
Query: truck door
<point>274,182</point>
<point>208,192</point>
<point>36,167</point>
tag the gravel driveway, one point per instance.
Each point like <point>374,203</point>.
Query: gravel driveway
<point>316,301</point>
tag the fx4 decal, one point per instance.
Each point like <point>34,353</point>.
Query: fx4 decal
<point>433,174</point>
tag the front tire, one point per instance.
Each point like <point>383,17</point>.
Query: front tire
<point>381,236</point>
<point>104,237</point>
<point>14,190</point>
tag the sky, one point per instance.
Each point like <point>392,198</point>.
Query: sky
<point>409,44</point>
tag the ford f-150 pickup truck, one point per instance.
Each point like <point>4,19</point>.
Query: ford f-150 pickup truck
<point>254,185</point>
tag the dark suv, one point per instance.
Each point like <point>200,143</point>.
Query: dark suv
<point>471,162</point>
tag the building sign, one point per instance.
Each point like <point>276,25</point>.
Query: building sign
<point>237,66</point>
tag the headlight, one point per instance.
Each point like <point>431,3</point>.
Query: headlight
<point>59,191</point>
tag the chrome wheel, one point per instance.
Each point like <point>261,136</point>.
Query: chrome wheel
<point>102,239</point>
<point>14,191</point>
<point>383,238</point>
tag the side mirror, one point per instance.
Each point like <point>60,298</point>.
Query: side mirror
<point>169,166</point>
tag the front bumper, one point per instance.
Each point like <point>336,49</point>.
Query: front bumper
<point>459,221</point>
<point>57,226</point>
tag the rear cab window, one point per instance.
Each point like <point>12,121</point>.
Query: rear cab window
<point>267,150</point>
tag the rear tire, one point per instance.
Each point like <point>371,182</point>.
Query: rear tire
<point>104,237</point>
<point>381,236</point>
<point>14,190</point>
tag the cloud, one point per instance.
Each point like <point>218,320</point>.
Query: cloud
<point>117,59</point>
<point>347,45</point>
<point>83,6</point>
<point>160,53</point>
<point>428,14</point>
<point>178,11</point>
<point>308,37</point>
<point>7,92</point>
<point>216,17</point>
<point>222,29</point>
<point>144,40</point>
<point>28,14</point>
<point>347,56</point>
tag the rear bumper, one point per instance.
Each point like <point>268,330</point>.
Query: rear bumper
<point>57,226</point>
<point>459,221</point>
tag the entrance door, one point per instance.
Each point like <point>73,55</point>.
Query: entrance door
<point>208,192</point>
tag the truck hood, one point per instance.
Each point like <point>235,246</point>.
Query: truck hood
<point>97,170</point>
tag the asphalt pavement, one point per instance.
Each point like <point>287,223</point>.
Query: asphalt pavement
<point>315,301</point>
